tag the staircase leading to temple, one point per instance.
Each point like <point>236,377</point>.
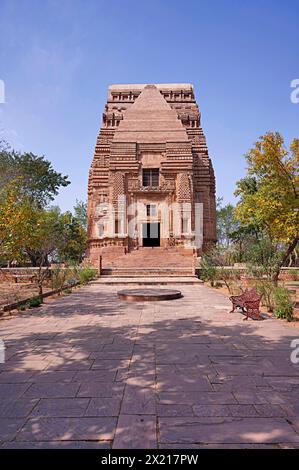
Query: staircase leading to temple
<point>150,266</point>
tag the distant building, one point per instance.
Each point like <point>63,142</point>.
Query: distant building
<point>151,174</point>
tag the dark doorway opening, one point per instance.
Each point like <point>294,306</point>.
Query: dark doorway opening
<point>151,234</point>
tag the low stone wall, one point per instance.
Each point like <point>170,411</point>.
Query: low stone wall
<point>286,274</point>
<point>16,305</point>
<point>7,274</point>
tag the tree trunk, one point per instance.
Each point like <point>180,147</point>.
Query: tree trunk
<point>34,258</point>
<point>288,252</point>
<point>40,290</point>
<point>40,278</point>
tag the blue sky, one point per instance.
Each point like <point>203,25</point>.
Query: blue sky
<point>57,58</point>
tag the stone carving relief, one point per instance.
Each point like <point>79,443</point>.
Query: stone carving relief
<point>183,188</point>
<point>118,185</point>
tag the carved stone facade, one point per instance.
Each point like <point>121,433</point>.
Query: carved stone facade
<point>151,155</point>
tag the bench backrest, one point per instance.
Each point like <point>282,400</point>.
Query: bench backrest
<point>251,294</point>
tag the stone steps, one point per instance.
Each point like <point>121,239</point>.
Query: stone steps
<point>148,271</point>
<point>146,281</point>
<point>148,258</point>
<point>153,263</point>
<point>149,265</point>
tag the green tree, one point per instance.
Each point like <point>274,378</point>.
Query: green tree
<point>40,182</point>
<point>51,235</point>
<point>74,246</point>
<point>80,211</point>
<point>16,214</point>
<point>226,223</point>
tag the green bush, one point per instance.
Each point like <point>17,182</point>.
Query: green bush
<point>84,275</point>
<point>64,277</point>
<point>67,291</point>
<point>70,277</point>
<point>34,302</point>
<point>208,270</point>
<point>58,278</point>
<point>266,289</point>
<point>283,303</point>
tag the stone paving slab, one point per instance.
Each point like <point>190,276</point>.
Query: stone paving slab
<point>91,371</point>
<point>61,407</point>
<point>57,444</point>
<point>227,430</point>
<point>142,433</point>
<point>66,429</point>
<point>9,428</point>
<point>103,407</point>
<point>16,408</point>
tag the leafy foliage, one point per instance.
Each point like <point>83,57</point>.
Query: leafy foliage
<point>208,270</point>
<point>40,182</point>
<point>80,210</point>
<point>269,197</point>
<point>283,303</point>
<point>266,288</point>
<point>62,277</point>
<point>16,220</point>
<point>73,248</point>
<point>263,257</point>
<point>34,302</point>
<point>227,223</point>
<point>85,274</point>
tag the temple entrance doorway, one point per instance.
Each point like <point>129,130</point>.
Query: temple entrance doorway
<point>151,234</point>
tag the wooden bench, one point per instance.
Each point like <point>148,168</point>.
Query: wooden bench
<point>249,302</point>
<point>29,277</point>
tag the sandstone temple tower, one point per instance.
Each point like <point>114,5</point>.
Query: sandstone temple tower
<point>151,182</point>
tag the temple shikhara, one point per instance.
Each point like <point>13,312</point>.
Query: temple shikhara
<point>151,192</point>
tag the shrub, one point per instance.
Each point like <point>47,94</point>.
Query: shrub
<point>67,291</point>
<point>231,279</point>
<point>70,277</point>
<point>266,289</point>
<point>34,302</point>
<point>64,277</point>
<point>208,271</point>
<point>208,274</point>
<point>58,278</point>
<point>283,303</point>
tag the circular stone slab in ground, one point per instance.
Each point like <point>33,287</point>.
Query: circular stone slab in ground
<point>149,294</point>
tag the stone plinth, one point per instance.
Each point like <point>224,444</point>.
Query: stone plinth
<point>149,295</point>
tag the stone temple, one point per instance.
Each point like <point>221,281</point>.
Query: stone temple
<point>151,184</point>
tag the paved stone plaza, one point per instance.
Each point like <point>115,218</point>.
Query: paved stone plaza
<point>91,371</point>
